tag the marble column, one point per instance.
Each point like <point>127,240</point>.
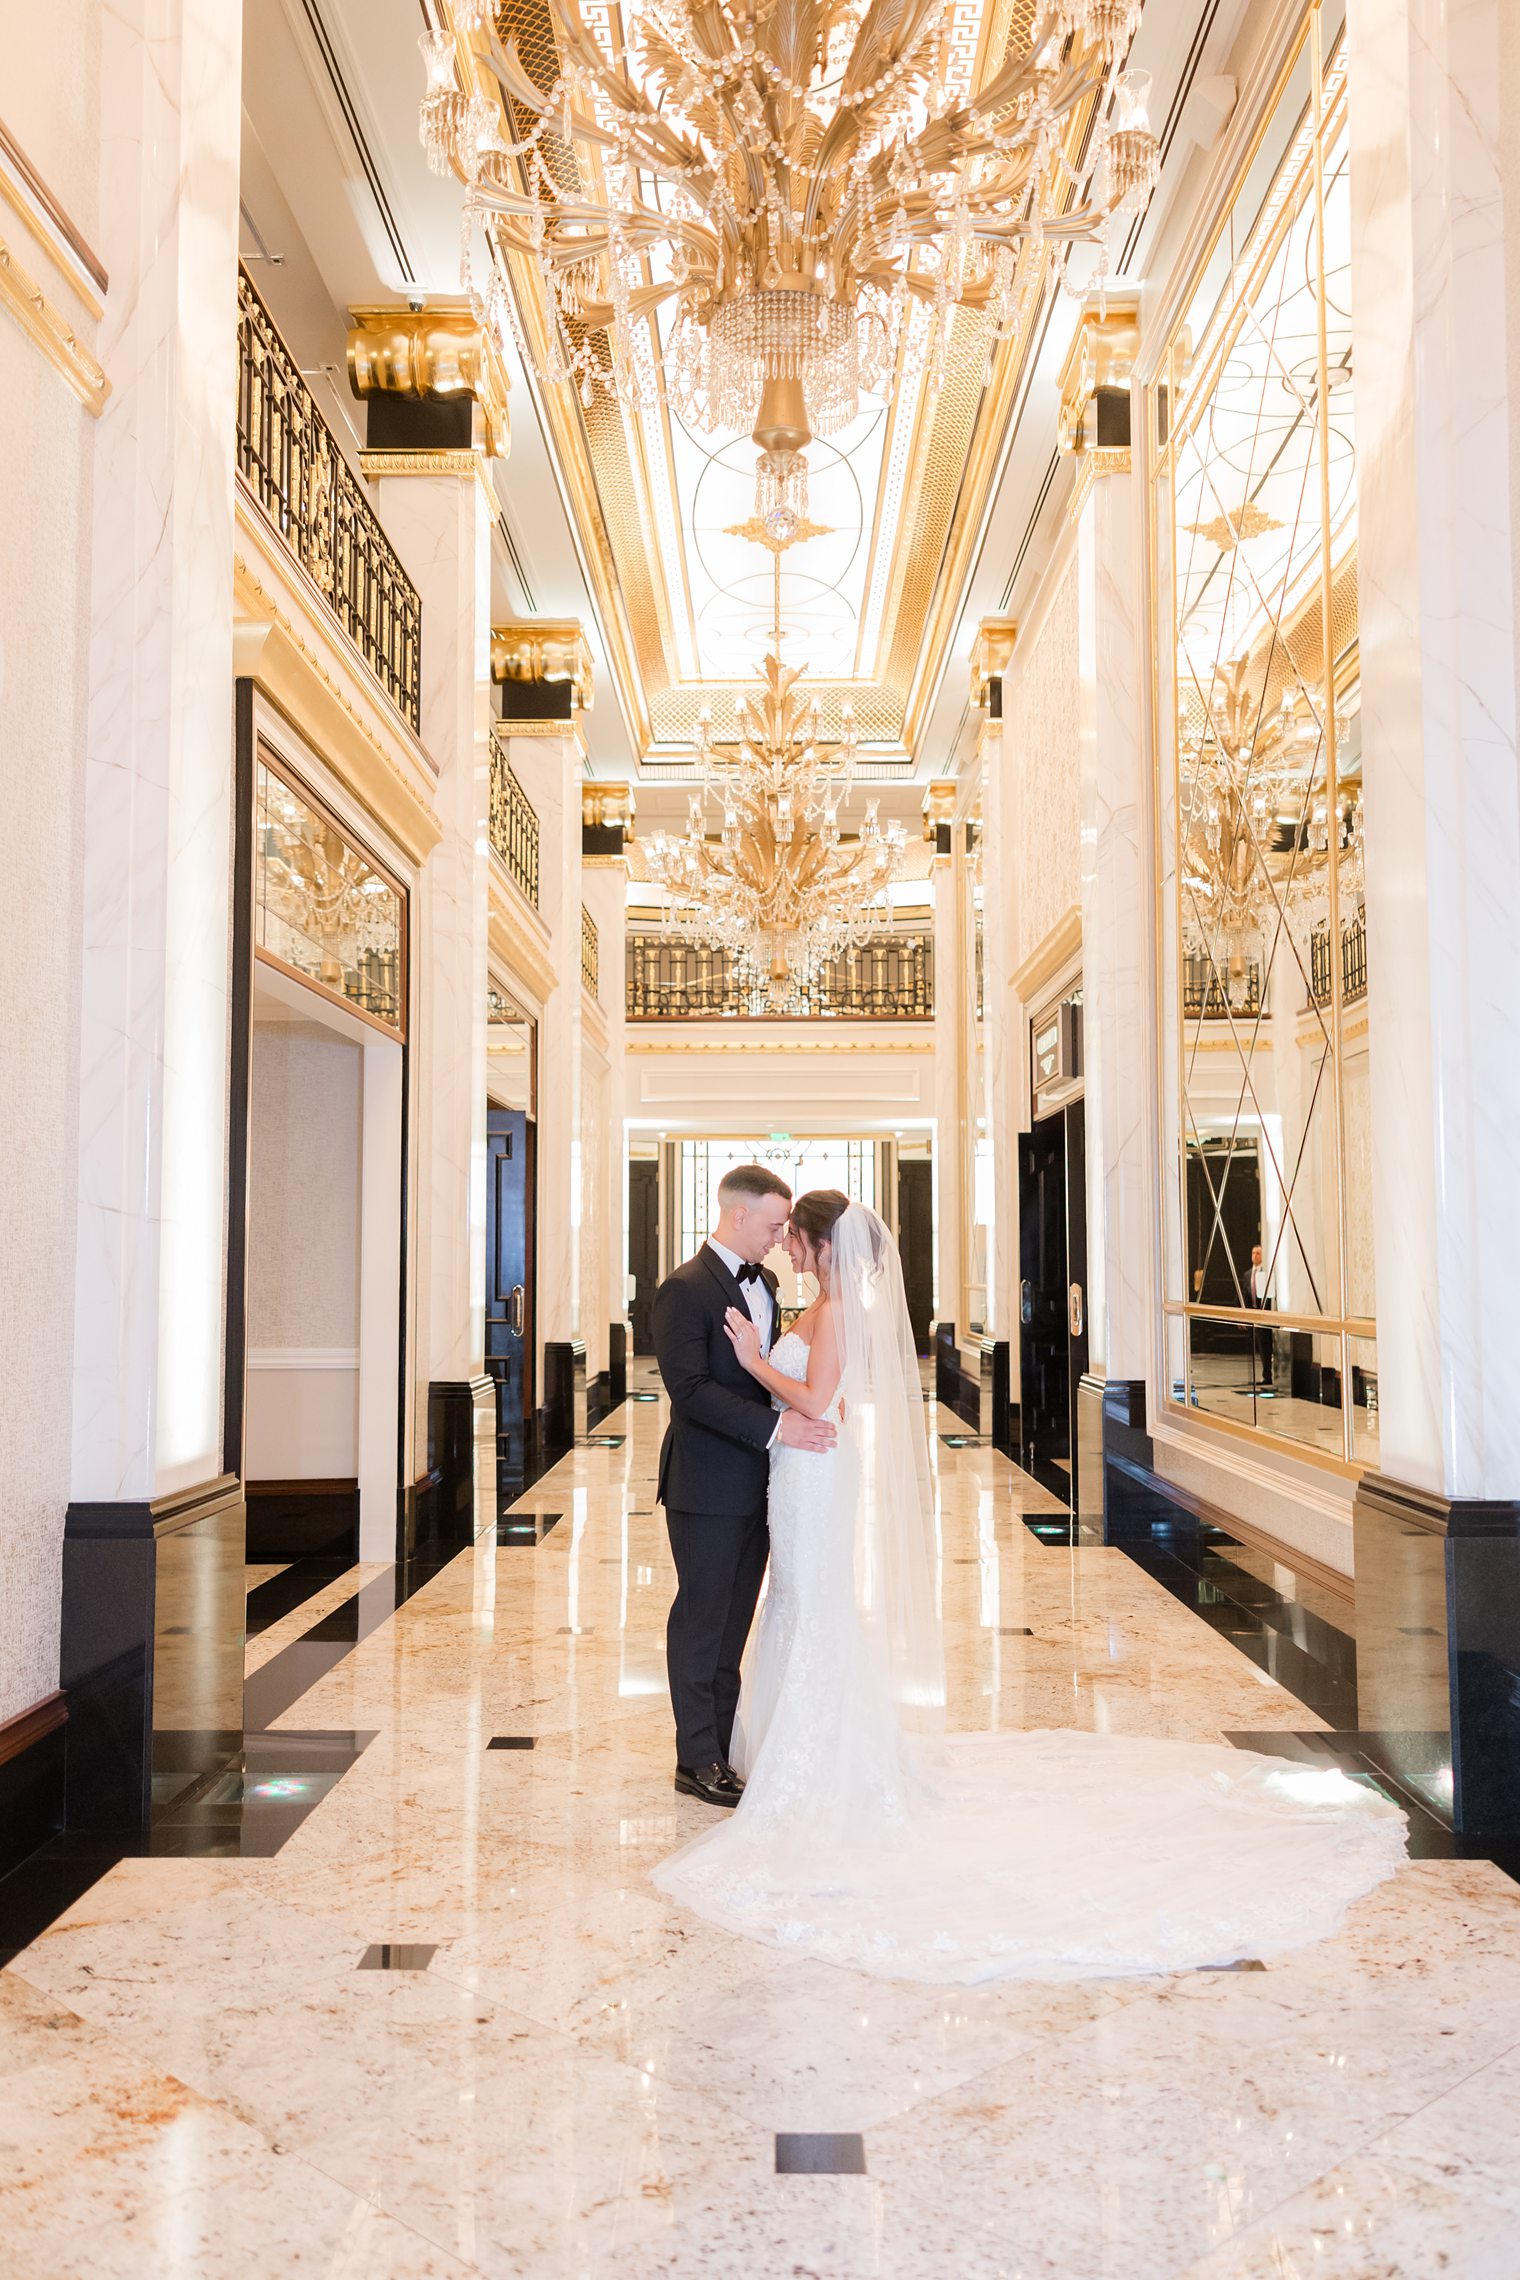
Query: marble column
<point>438,514</point>
<point>604,1213</point>
<point>1118,945</point>
<point>1434,163</point>
<point>549,769</point>
<point>1004,1081</point>
<point>154,1519</point>
<point>950,1111</point>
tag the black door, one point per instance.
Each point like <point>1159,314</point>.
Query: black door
<point>915,1241</point>
<point>1076,1270</point>
<point>1224,1220</point>
<point>643,1247</point>
<point>509,1287</point>
<point>1044,1327</point>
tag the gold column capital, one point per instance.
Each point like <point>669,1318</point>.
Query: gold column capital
<point>440,350</point>
<point>939,807</point>
<point>544,649</point>
<point>1099,364</point>
<point>991,654</point>
<point>608,807</point>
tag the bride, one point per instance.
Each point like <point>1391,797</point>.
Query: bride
<point>867,1838</point>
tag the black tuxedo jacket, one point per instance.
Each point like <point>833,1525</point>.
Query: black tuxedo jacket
<point>721,1419</point>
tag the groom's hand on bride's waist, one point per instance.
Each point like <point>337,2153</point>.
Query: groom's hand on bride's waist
<point>799,1432</point>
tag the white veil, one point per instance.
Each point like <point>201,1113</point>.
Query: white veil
<point>884,1443</point>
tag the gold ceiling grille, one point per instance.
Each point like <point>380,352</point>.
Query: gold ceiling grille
<point>878,710</point>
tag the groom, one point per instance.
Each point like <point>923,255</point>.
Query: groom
<point>714,1469</point>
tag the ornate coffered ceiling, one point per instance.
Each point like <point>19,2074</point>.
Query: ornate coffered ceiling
<point>871,600</point>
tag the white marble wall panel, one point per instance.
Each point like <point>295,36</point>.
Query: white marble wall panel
<point>1006,1090</point>
<point>153,1054</point>
<point>604,1213</point>
<point>440,526</point>
<point>549,770</point>
<point>1436,551</point>
<point>1118,952</point>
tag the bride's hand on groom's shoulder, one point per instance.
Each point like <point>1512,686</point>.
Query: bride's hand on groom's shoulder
<point>742,1336</point>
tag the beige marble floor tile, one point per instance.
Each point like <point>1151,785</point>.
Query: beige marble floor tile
<point>266,1644</point>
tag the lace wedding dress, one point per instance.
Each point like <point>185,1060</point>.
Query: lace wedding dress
<point>1041,1855</point>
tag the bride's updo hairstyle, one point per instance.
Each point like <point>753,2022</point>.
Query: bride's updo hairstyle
<point>816,1215</point>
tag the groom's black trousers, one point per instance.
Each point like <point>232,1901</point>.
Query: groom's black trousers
<point>720,1560</point>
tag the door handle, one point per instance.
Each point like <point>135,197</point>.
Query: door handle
<point>1074,1313</point>
<point>517,1310</point>
<point>1026,1301</point>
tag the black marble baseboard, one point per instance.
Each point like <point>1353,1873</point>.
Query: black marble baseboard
<point>443,1508</point>
<point>955,1388</point>
<point>33,1749</point>
<point>599,1401</point>
<point>556,1421</point>
<point>1438,1648</point>
<point>303,1520</point>
<point>999,1412</point>
<point>617,1363</point>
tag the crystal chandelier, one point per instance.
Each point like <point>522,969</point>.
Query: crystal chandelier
<point>1258,836</point>
<point>777,186</point>
<point>779,889</point>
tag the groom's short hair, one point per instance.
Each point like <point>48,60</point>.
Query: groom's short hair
<point>749,1181</point>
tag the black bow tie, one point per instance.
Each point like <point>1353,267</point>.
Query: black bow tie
<point>747,1275</point>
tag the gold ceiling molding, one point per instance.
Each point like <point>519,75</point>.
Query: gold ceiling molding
<point>269,651</point>
<point>971,429</point>
<point>436,351</point>
<point>991,654</point>
<point>1100,362</point>
<point>674,714</point>
<point>544,649</point>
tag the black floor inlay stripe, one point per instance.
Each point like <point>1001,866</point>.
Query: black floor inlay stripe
<point>290,1589</point>
<point>211,1799</point>
<point>1014,1631</point>
<point>270,1692</point>
<point>820,2153</point>
<point>385,1956</point>
<point>526,1527</point>
<point>511,1742</point>
<point>1312,1658</point>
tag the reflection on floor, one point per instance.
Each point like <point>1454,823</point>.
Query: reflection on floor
<point>448,2029</point>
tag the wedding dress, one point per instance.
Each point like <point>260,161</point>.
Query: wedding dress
<point>866,1838</point>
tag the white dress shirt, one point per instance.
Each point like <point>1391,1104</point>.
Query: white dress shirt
<point>757,1298</point>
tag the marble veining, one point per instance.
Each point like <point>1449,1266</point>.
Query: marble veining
<point>586,2081</point>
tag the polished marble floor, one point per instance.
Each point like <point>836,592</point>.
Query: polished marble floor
<point>447,2028</point>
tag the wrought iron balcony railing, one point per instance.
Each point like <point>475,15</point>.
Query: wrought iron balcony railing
<point>290,458</point>
<point>514,822</point>
<point>890,979</point>
<point>591,951</point>
<point>1353,961</point>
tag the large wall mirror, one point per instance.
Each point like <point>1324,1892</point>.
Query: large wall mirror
<point>1269,1277</point>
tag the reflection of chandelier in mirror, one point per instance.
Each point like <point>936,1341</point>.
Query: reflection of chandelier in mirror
<point>780,888</point>
<point>788,177</point>
<point>1256,830</point>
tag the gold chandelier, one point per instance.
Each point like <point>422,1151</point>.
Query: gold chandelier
<point>780,889</point>
<point>779,186</point>
<point>1258,831</point>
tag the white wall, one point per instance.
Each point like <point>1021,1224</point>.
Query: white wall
<point>45,482</point>
<point>303,1254</point>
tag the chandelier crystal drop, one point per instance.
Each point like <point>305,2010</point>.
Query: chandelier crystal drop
<point>778,886</point>
<point>752,201</point>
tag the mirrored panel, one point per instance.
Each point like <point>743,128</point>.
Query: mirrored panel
<point>322,909</point>
<point>1253,431</point>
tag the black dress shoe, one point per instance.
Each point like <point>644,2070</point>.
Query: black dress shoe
<point>714,1784</point>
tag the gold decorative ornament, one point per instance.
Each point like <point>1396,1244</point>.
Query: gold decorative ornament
<point>544,649</point>
<point>991,654</point>
<point>1100,362</point>
<point>431,352</point>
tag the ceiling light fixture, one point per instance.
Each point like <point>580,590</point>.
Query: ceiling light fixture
<point>790,199</point>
